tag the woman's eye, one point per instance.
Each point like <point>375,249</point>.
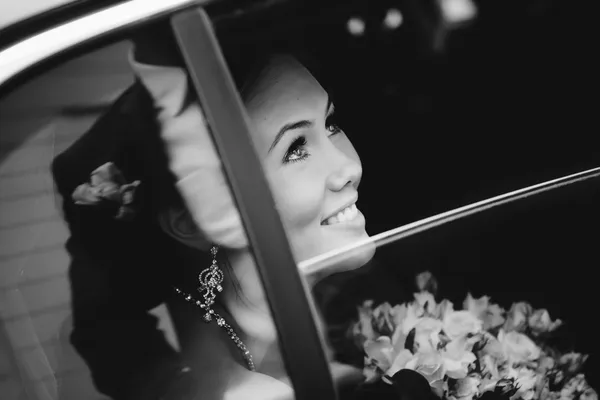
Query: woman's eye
<point>332,126</point>
<point>297,151</point>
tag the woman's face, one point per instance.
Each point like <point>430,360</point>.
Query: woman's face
<point>313,169</point>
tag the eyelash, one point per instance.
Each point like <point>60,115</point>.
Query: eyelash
<point>329,122</point>
<point>300,142</point>
<point>297,145</point>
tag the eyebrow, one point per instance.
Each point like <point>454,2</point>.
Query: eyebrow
<point>296,125</point>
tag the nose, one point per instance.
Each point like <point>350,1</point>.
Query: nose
<point>345,168</point>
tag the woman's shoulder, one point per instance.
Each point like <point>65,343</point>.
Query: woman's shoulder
<point>219,371</point>
<point>250,385</point>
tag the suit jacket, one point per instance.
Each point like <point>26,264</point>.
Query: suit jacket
<point>120,270</point>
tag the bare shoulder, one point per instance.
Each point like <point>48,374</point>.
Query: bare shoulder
<point>253,385</point>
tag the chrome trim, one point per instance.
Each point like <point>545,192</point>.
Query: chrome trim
<point>35,49</point>
<point>322,262</point>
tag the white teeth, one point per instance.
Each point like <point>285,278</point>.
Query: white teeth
<point>347,214</point>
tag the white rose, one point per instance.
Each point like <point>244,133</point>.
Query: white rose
<point>540,322</point>
<point>576,385</point>
<point>380,352</point>
<point>526,381</point>
<point>382,319</point>
<point>493,317</point>
<point>545,364</point>
<point>430,365</point>
<point>444,308</point>
<point>466,388</point>
<point>399,312</point>
<point>458,356</point>
<point>385,352</point>
<point>518,347</point>
<point>572,362</point>
<point>426,301</point>
<point>457,369</point>
<point>427,333</point>
<point>414,314</point>
<point>461,323</point>
<point>518,317</point>
<point>398,339</point>
<point>493,347</point>
<point>477,307</point>
<point>401,360</point>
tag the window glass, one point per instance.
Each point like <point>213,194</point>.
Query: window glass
<point>436,105</point>
<point>519,271</point>
<point>113,197</point>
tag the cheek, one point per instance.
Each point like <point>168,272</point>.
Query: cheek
<point>299,200</point>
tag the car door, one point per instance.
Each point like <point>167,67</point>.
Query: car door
<point>56,84</point>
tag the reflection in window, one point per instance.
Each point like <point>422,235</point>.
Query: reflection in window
<point>40,120</point>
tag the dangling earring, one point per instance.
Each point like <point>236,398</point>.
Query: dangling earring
<point>210,279</point>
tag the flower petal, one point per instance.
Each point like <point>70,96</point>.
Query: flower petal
<point>128,192</point>
<point>477,307</point>
<point>86,195</point>
<point>399,312</point>
<point>400,362</point>
<point>381,351</point>
<point>107,172</point>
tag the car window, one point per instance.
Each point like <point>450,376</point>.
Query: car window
<point>40,120</point>
<point>126,269</point>
<point>509,266</point>
<point>444,108</point>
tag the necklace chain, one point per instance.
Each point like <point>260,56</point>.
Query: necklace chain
<point>210,313</point>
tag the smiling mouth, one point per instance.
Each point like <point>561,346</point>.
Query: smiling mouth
<point>347,214</point>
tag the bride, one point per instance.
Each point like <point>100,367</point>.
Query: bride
<point>207,275</point>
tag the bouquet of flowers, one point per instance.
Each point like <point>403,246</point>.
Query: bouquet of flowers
<point>481,351</point>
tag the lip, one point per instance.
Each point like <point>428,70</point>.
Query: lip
<point>356,223</point>
<point>348,204</point>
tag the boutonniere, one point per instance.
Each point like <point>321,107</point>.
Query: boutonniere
<point>108,186</point>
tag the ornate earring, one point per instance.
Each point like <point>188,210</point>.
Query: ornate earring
<point>210,279</point>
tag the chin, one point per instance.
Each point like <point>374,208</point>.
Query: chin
<point>349,260</point>
<point>358,257</point>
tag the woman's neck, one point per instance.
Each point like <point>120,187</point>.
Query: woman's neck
<point>245,300</point>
